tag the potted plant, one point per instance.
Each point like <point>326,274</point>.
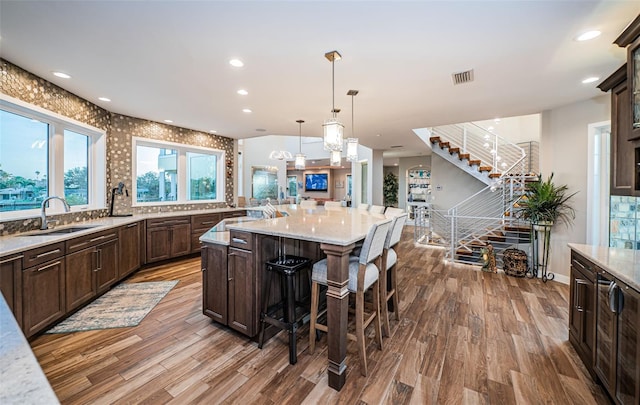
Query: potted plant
<point>544,204</point>
<point>390,190</point>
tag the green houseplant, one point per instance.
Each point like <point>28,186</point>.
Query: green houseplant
<point>390,190</point>
<point>544,204</point>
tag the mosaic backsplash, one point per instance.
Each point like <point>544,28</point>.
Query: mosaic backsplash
<point>624,222</point>
<point>20,84</point>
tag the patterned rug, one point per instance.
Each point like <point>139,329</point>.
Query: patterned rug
<point>123,306</point>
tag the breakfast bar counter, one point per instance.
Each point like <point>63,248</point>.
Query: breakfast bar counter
<point>337,231</point>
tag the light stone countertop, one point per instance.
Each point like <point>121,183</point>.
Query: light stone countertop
<point>337,226</point>
<point>219,234</point>
<point>21,378</point>
<point>623,264</point>
<point>21,242</point>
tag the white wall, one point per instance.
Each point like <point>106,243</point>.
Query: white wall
<point>522,128</point>
<point>563,151</point>
<point>377,178</point>
<point>450,184</point>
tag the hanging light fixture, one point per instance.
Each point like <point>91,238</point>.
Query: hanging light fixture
<point>280,155</point>
<point>352,143</point>
<point>300,158</point>
<point>335,158</point>
<point>333,129</point>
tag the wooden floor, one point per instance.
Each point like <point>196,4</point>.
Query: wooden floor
<point>464,337</point>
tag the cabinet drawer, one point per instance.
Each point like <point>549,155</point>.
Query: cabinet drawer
<point>93,239</point>
<point>584,266</point>
<point>241,240</point>
<point>234,214</point>
<point>43,254</point>
<point>204,222</point>
<point>152,223</point>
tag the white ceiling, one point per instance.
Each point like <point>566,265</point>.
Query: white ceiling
<point>169,60</point>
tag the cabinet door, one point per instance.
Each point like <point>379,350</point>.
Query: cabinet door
<point>180,240</point>
<point>80,279</point>
<point>11,284</point>
<point>129,249</point>
<point>158,244</point>
<point>575,304</point>
<point>622,154</point>
<point>107,266</point>
<point>241,292</point>
<point>628,353</point>
<point>605,359</point>
<point>214,282</point>
<point>43,299</point>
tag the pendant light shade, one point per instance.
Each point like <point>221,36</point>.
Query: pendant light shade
<point>333,129</point>
<point>336,158</point>
<point>352,143</point>
<point>300,162</point>
<point>280,155</point>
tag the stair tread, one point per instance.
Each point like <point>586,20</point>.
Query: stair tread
<point>444,144</point>
<point>484,168</point>
<point>434,139</point>
<point>494,175</point>
<point>454,150</point>
<point>474,162</point>
<point>463,156</point>
<point>517,228</point>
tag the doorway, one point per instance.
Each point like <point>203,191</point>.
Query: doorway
<point>598,168</point>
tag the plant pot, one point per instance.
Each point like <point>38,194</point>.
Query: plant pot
<point>541,238</point>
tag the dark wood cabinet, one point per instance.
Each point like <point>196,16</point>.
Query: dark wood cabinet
<point>617,359</point>
<point>622,151</point>
<point>43,296</point>
<point>242,292</point>
<point>92,267</point>
<point>582,309</point>
<point>11,284</point>
<point>214,282</point>
<point>167,238</point>
<point>129,248</point>
<point>199,225</point>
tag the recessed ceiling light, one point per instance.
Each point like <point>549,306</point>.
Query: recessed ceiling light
<point>213,131</point>
<point>395,164</point>
<point>62,75</point>
<point>236,63</point>
<point>246,110</point>
<point>588,35</point>
<point>590,80</point>
<point>168,121</point>
<point>104,99</point>
<point>496,120</point>
<point>243,92</point>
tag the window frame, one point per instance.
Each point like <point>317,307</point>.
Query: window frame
<point>182,176</point>
<point>55,157</point>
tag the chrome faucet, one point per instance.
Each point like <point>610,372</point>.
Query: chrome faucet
<point>43,216</point>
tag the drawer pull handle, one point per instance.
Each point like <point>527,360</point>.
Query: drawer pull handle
<point>11,260</point>
<point>47,253</point>
<point>132,225</point>
<point>208,222</point>
<point>49,266</point>
<point>98,238</point>
<point>238,240</point>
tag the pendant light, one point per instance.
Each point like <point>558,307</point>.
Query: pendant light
<point>300,158</point>
<point>333,129</point>
<point>352,143</point>
<point>335,158</point>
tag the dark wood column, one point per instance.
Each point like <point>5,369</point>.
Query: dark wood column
<point>337,310</point>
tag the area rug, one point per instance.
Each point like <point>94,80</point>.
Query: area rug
<point>123,306</point>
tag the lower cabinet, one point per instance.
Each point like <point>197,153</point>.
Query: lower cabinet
<point>130,248</point>
<point>167,238</point>
<point>107,266</point>
<point>44,295</point>
<point>582,306</point>
<point>11,284</point>
<point>229,287</point>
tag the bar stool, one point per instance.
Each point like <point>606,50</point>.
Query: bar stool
<point>286,267</point>
<point>389,282</point>
<point>363,275</point>
<point>376,209</point>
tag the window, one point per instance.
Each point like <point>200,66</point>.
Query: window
<point>44,154</point>
<point>292,182</point>
<point>176,173</point>
<point>349,186</point>
<point>264,182</point>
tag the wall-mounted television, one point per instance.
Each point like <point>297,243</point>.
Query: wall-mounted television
<point>316,182</point>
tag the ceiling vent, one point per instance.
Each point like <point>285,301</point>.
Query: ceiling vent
<point>462,77</point>
<point>396,146</point>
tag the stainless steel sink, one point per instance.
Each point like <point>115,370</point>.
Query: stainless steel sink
<point>60,231</point>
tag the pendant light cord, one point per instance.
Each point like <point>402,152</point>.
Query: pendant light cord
<point>333,88</point>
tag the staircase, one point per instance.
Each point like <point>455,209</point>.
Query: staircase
<point>487,216</point>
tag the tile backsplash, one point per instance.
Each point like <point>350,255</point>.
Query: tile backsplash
<point>624,222</point>
<point>20,84</point>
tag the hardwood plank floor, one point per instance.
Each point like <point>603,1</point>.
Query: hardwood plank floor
<point>464,336</point>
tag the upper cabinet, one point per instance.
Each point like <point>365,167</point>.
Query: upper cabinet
<point>633,74</point>
<point>624,85</point>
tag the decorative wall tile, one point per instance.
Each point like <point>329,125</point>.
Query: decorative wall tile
<point>20,84</point>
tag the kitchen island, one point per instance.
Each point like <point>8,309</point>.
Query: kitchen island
<point>335,232</point>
